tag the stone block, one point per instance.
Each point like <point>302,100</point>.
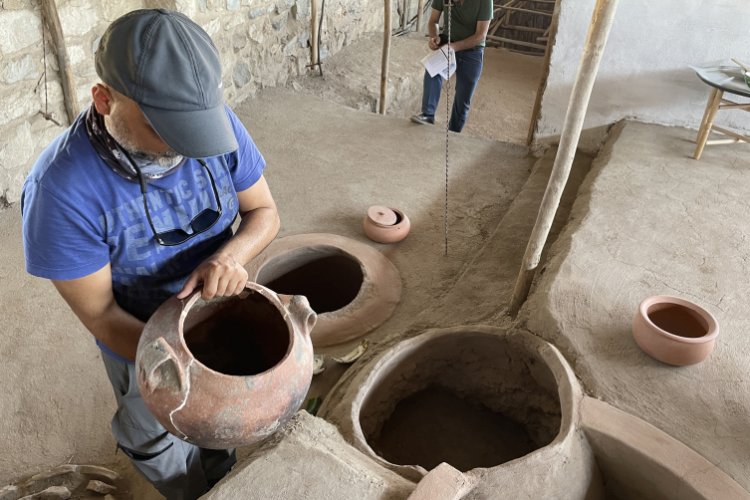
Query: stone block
<point>444,482</point>
<point>261,11</point>
<point>77,18</point>
<point>233,4</point>
<point>20,29</point>
<point>51,493</point>
<point>241,75</point>
<point>279,22</point>
<point>97,472</point>
<point>10,492</point>
<point>100,487</point>
<point>77,54</point>
<point>17,4</point>
<point>15,70</point>
<point>212,28</point>
<point>239,41</point>
<point>18,147</point>
<point>310,459</point>
<point>284,5</point>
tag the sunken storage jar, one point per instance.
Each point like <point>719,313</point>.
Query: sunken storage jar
<point>229,371</point>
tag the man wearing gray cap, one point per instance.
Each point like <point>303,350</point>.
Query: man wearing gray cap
<point>134,203</point>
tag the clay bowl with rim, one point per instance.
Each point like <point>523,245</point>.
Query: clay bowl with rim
<point>674,330</point>
<point>386,225</point>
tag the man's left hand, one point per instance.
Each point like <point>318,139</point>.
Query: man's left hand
<point>221,276</point>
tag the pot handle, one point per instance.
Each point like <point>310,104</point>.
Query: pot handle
<point>300,311</point>
<point>159,368</point>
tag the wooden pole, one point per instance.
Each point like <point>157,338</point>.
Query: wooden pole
<point>420,9</point>
<point>535,112</point>
<point>52,19</point>
<point>601,23</point>
<point>385,58</point>
<point>314,33</point>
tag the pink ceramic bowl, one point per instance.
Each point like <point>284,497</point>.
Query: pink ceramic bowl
<point>674,330</point>
<point>386,225</point>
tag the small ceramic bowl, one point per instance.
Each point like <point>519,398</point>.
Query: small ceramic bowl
<point>386,225</point>
<point>674,330</point>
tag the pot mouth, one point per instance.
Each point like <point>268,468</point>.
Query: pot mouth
<point>250,288</point>
<point>399,219</point>
<point>707,320</point>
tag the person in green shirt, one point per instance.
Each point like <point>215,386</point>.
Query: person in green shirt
<point>469,22</point>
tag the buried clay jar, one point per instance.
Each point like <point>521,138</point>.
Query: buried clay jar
<point>386,225</point>
<point>674,330</point>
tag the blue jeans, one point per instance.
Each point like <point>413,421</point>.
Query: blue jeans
<point>468,69</point>
<point>178,469</point>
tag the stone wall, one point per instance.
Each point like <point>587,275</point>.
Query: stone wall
<point>262,43</point>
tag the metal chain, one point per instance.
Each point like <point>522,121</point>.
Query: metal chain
<point>447,124</point>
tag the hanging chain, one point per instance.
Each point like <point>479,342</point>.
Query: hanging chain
<point>447,125</point>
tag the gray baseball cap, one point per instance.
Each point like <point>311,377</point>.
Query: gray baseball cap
<point>169,66</point>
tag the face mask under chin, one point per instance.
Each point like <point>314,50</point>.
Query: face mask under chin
<point>150,164</point>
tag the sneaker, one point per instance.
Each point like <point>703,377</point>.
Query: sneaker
<point>423,119</point>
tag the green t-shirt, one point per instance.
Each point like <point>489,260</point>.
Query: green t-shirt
<point>464,17</point>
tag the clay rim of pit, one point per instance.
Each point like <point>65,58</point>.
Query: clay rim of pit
<point>347,413</point>
<point>375,302</point>
<point>713,325</point>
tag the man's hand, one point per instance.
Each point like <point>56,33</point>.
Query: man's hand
<point>434,43</point>
<point>221,276</point>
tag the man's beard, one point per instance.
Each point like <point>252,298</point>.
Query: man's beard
<point>120,132</point>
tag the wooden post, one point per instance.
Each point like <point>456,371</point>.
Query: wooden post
<point>420,9</point>
<point>601,23</point>
<point>314,33</point>
<point>707,122</point>
<point>52,19</point>
<point>535,112</point>
<point>385,58</point>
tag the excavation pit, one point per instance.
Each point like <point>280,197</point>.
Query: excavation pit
<point>351,286</point>
<point>469,398</point>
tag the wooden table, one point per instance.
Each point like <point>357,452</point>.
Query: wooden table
<point>722,79</point>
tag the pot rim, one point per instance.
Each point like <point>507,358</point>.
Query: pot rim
<point>272,297</point>
<point>713,324</point>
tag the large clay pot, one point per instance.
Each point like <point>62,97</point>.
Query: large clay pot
<point>226,372</point>
<point>674,330</point>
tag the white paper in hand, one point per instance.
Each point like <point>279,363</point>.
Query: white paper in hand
<point>436,62</point>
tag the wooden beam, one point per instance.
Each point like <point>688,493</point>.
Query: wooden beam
<point>529,29</point>
<point>536,110</point>
<point>596,40</point>
<point>52,19</point>
<point>385,58</point>
<point>314,33</point>
<point>420,9</point>
<point>515,42</point>
<point>528,11</point>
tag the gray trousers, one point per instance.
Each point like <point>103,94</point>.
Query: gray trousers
<point>179,470</point>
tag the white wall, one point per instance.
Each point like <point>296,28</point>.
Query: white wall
<point>644,73</point>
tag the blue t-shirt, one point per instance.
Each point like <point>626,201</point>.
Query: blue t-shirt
<point>79,215</point>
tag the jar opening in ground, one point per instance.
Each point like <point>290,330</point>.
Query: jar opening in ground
<point>330,282</point>
<point>468,400</point>
<point>239,336</point>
